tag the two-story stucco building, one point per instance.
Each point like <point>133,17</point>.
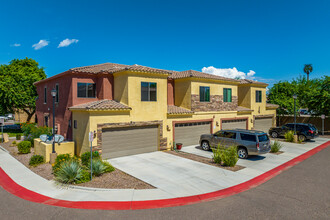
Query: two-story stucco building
<point>136,109</point>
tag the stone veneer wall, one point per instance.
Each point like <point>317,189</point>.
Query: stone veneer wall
<point>216,104</point>
<point>162,140</point>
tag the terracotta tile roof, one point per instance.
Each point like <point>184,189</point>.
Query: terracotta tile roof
<point>197,74</point>
<point>113,67</point>
<point>243,109</point>
<point>248,81</point>
<point>269,105</point>
<point>104,104</point>
<point>172,109</point>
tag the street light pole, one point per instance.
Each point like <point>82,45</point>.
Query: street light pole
<point>53,92</point>
<point>294,109</point>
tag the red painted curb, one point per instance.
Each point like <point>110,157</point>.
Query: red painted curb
<point>11,186</point>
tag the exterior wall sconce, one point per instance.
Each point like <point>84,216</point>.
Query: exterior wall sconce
<point>168,128</point>
<point>217,123</point>
<point>251,120</point>
<point>259,109</point>
<point>94,134</point>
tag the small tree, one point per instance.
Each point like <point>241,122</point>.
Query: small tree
<point>17,91</point>
<point>308,69</point>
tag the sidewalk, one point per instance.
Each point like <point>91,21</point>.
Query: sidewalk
<point>207,183</point>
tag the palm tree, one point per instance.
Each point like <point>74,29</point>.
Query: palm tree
<point>308,69</point>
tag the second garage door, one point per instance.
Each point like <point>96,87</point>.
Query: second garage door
<point>263,124</point>
<point>129,141</point>
<point>189,133</point>
<point>235,123</point>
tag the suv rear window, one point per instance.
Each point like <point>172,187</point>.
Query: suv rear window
<point>248,137</point>
<point>263,138</point>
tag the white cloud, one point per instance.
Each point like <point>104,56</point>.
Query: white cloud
<point>16,45</point>
<point>67,42</point>
<point>229,72</point>
<point>41,44</point>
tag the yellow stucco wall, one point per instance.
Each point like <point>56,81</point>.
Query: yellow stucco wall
<point>80,134</point>
<point>121,88</point>
<point>44,149</point>
<point>244,96</point>
<point>182,88</point>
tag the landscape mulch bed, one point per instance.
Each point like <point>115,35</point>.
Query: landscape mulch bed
<point>114,180</point>
<point>205,160</point>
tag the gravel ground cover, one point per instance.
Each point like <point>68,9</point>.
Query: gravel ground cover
<point>114,180</point>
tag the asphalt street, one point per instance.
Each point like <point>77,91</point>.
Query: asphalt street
<point>301,192</point>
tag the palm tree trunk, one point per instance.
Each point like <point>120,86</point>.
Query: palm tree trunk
<point>307,76</point>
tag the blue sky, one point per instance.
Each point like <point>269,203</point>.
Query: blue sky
<point>271,40</point>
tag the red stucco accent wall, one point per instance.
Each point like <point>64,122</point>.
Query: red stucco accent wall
<point>68,97</point>
<point>170,92</point>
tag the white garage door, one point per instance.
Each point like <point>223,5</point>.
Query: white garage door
<point>129,141</point>
<point>263,124</point>
<point>235,123</point>
<point>189,133</point>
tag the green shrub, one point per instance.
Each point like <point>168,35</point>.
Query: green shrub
<point>275,147</point>
<point>70,171</point>
<point>13,143</point>
<point>35,160</point>
<point>60,159</point>
<point>31,131</point>
<point>216,157</point>
<point>229,156</point>
<point>98,167</point>
<point>85,177</point>
<point>289,136</point>
<point>18,136</point>
<point>86,157</point>
<point>109,167</point>
<point>24,147</point>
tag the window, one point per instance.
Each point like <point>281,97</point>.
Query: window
<point>148,91</point>
<point>86,90</point>
<point>263,138</point>
<point>56,97</point>
<point>258,96</point>
<point>204,94</point>
<point>46,121</point>
<point>74,123</point>
<point>226,134</point>
<point>226,95</point>
<point>45,95</point>
<point>248,137</point>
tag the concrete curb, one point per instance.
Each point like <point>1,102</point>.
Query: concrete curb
<point>12,187</point>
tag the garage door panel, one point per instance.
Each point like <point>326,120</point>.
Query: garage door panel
<point>129,141</point>
<point>263,124</point>
<point>190,135</point>
<point>232,124</point>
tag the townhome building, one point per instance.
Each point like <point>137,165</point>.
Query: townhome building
<point>136,109</point>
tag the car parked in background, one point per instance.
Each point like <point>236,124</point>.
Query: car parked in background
<point>9,116</point>
<point>304,131</point>
<point>248,142</point>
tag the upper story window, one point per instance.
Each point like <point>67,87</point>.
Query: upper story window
<point>56,97</point>
<point>226,95</point>
<point>86,90</point>
<point>45,95</point>
<point>258,96</point>
<point>204,93</point>
<point>148,91</point>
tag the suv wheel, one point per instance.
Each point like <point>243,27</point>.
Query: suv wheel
<point>242,153</point>
<point>205,145</point>
<point>274,134</point>
<point>302,138</point>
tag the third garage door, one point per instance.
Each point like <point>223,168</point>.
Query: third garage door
<point>129,141</point>
<point>189,133</point>
<point>234,123</point>
<point>263,124</point>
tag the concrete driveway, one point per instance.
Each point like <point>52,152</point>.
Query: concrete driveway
<point>178,176</point>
